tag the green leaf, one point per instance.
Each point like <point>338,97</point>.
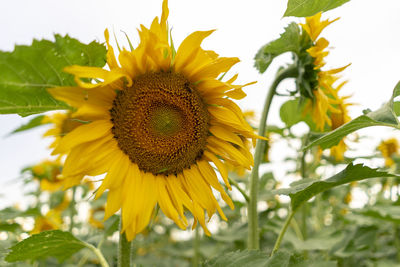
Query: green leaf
<point>381,212</point>
<point>9,227</point>
<point>306,8</point>
<point>292,112</point>
<point>289,41</point>
<point>12,213</point>
<point>29,70</point>
<point>239,258</point>
<point>302,192</point>
<point>252,258</point>
<point>33,123</point>
<point>46,244</point>
<point>385,116</point>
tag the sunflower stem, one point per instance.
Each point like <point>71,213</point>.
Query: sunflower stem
<point>196,248</point>
<point>72,209</point>
<point>282,233</point>
<point>124,249</point>
<point>253,237</point>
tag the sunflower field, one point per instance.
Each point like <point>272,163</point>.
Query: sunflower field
<point>138,148</point>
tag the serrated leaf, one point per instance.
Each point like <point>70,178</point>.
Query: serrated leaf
<point>29,70</point>
<point>54,243</point>
<point>385,116</point>
<point>289,41</point>
<point>34,122</point>
<point>304,191</point>
<point>305,8</point>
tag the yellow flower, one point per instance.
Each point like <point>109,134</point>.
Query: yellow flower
<point>338,119</point>
<point>48,173</point>
<point>63,123</point>
<point>51,221</point>
<point>389,148</point>
<point>314,25</point>
<point>325,100</point>
<point>159,119</point>
<point>93,221</point>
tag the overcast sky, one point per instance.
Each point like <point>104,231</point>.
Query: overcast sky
<point>367,35</point>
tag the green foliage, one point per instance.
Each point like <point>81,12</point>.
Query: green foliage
<point>240,258</point>
<point>292,112</point>
<point>302,192</point>
<point>382,212</point>
<point>305,8</point>
<point>29,70</point>
<point>46,244</point>
<point>289,41</point>
<point>9,227</point>
<point>33,123</point>
<point>385,116</point>
<point>253,258</point>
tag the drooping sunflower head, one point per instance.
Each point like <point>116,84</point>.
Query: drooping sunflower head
<point>324,100</point>
<point>160,121</point>
<point>389,148</point>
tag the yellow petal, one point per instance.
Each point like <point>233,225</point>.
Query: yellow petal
<point>84,133</point>
<point>188,48</point>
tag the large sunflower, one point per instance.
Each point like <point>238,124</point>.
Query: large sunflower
<point>160,120</point>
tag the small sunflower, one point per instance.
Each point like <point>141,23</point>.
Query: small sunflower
<point>325,98</point>
<point>389,148</point>
<point>159,120</point>
<point>94,220</point>
<point>48,174</point>
<point>52,220</point>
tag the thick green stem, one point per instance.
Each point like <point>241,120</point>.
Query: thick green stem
<point>253,238</point>
<point>196,248</point>
<point>72,209</point>
<point>124,249</point>
<point>282,233</point>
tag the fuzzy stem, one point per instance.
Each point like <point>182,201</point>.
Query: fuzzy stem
<point>253,238</point>
<point>99,255</point>
<point>124,249</point>
<point>282,233</point>
<point>72,209</point>
<point>196,248</point>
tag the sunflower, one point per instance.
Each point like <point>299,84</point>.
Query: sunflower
<point>48,173</point>
<point>325,98</point>
<point>338,119</point>
<point>389,148</point>
<point>160,120</point>
<point>93,217</point>
<point>52,220</point>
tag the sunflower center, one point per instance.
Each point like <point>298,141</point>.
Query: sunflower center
<point>165,120</point>
<point>161,123</point>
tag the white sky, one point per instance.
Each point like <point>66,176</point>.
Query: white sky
<point>366,35</point>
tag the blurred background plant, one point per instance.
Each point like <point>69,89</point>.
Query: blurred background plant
<point>351,221</point>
